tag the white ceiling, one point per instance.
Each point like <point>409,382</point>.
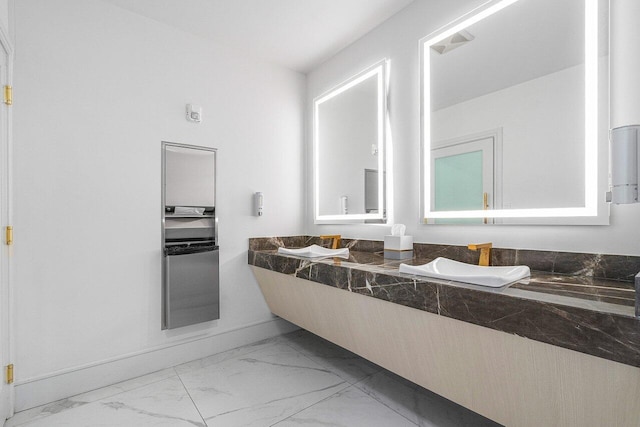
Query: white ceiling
<point>297,34</point>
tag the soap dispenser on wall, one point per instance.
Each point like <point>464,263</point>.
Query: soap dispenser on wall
<point>259,202</point>
<point>344,205</point>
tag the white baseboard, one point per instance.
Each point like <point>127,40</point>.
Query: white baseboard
<point>70,382</point>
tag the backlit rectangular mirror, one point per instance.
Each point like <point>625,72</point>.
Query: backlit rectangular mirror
<point>512,115</point>
<point>349,146</point>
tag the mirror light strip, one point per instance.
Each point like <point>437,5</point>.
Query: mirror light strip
<point>591,107</point>
<point>346,86</point>
<point>381,139</point>
<point>513,213</point>
<point>591,123</point>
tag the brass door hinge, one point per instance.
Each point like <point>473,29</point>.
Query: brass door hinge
<point>9,235</point>
<point>8,95</point>
<point>9,374</point>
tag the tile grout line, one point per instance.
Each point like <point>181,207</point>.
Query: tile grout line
<point>314,404</point>
<point>348,384</point>
<point>191,398</point>
<point>260,343</point>
<point>380,401</point>
<point>328,368</point>
<point>267,343</point>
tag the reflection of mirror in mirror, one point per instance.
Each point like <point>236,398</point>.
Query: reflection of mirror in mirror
<point>510,113</point>
<point>349,149</point>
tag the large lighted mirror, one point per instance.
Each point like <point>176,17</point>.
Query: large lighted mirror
<point>514,115</point>
<point>349,149</point>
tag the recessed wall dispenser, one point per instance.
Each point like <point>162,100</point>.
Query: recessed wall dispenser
<point>625,161</point>
<point>190,274</point>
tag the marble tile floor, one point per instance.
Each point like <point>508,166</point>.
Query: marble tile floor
<point>296,379</point>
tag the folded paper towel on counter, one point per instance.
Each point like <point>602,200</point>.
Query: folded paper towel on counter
<point>184,210</point>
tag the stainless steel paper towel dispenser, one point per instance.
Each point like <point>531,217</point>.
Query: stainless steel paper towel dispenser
<point>190,253</point>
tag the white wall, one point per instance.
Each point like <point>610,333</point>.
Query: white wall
<point>99,89</point>
<point>625,62</point>
<point>4,15</point>
<point>397,39</point>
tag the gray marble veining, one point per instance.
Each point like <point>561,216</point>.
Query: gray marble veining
<point>165,402</point>
<point>88,397</point>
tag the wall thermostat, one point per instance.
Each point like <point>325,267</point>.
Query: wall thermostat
<point>194,113</point>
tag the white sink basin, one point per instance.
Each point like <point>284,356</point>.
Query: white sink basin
<point>447,269</point>
<point>315,251</point>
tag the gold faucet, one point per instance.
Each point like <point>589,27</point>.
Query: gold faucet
<point>485,252</point>
<point>336,240</point>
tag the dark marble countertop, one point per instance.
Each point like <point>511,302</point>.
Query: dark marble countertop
<point>583,313</point>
